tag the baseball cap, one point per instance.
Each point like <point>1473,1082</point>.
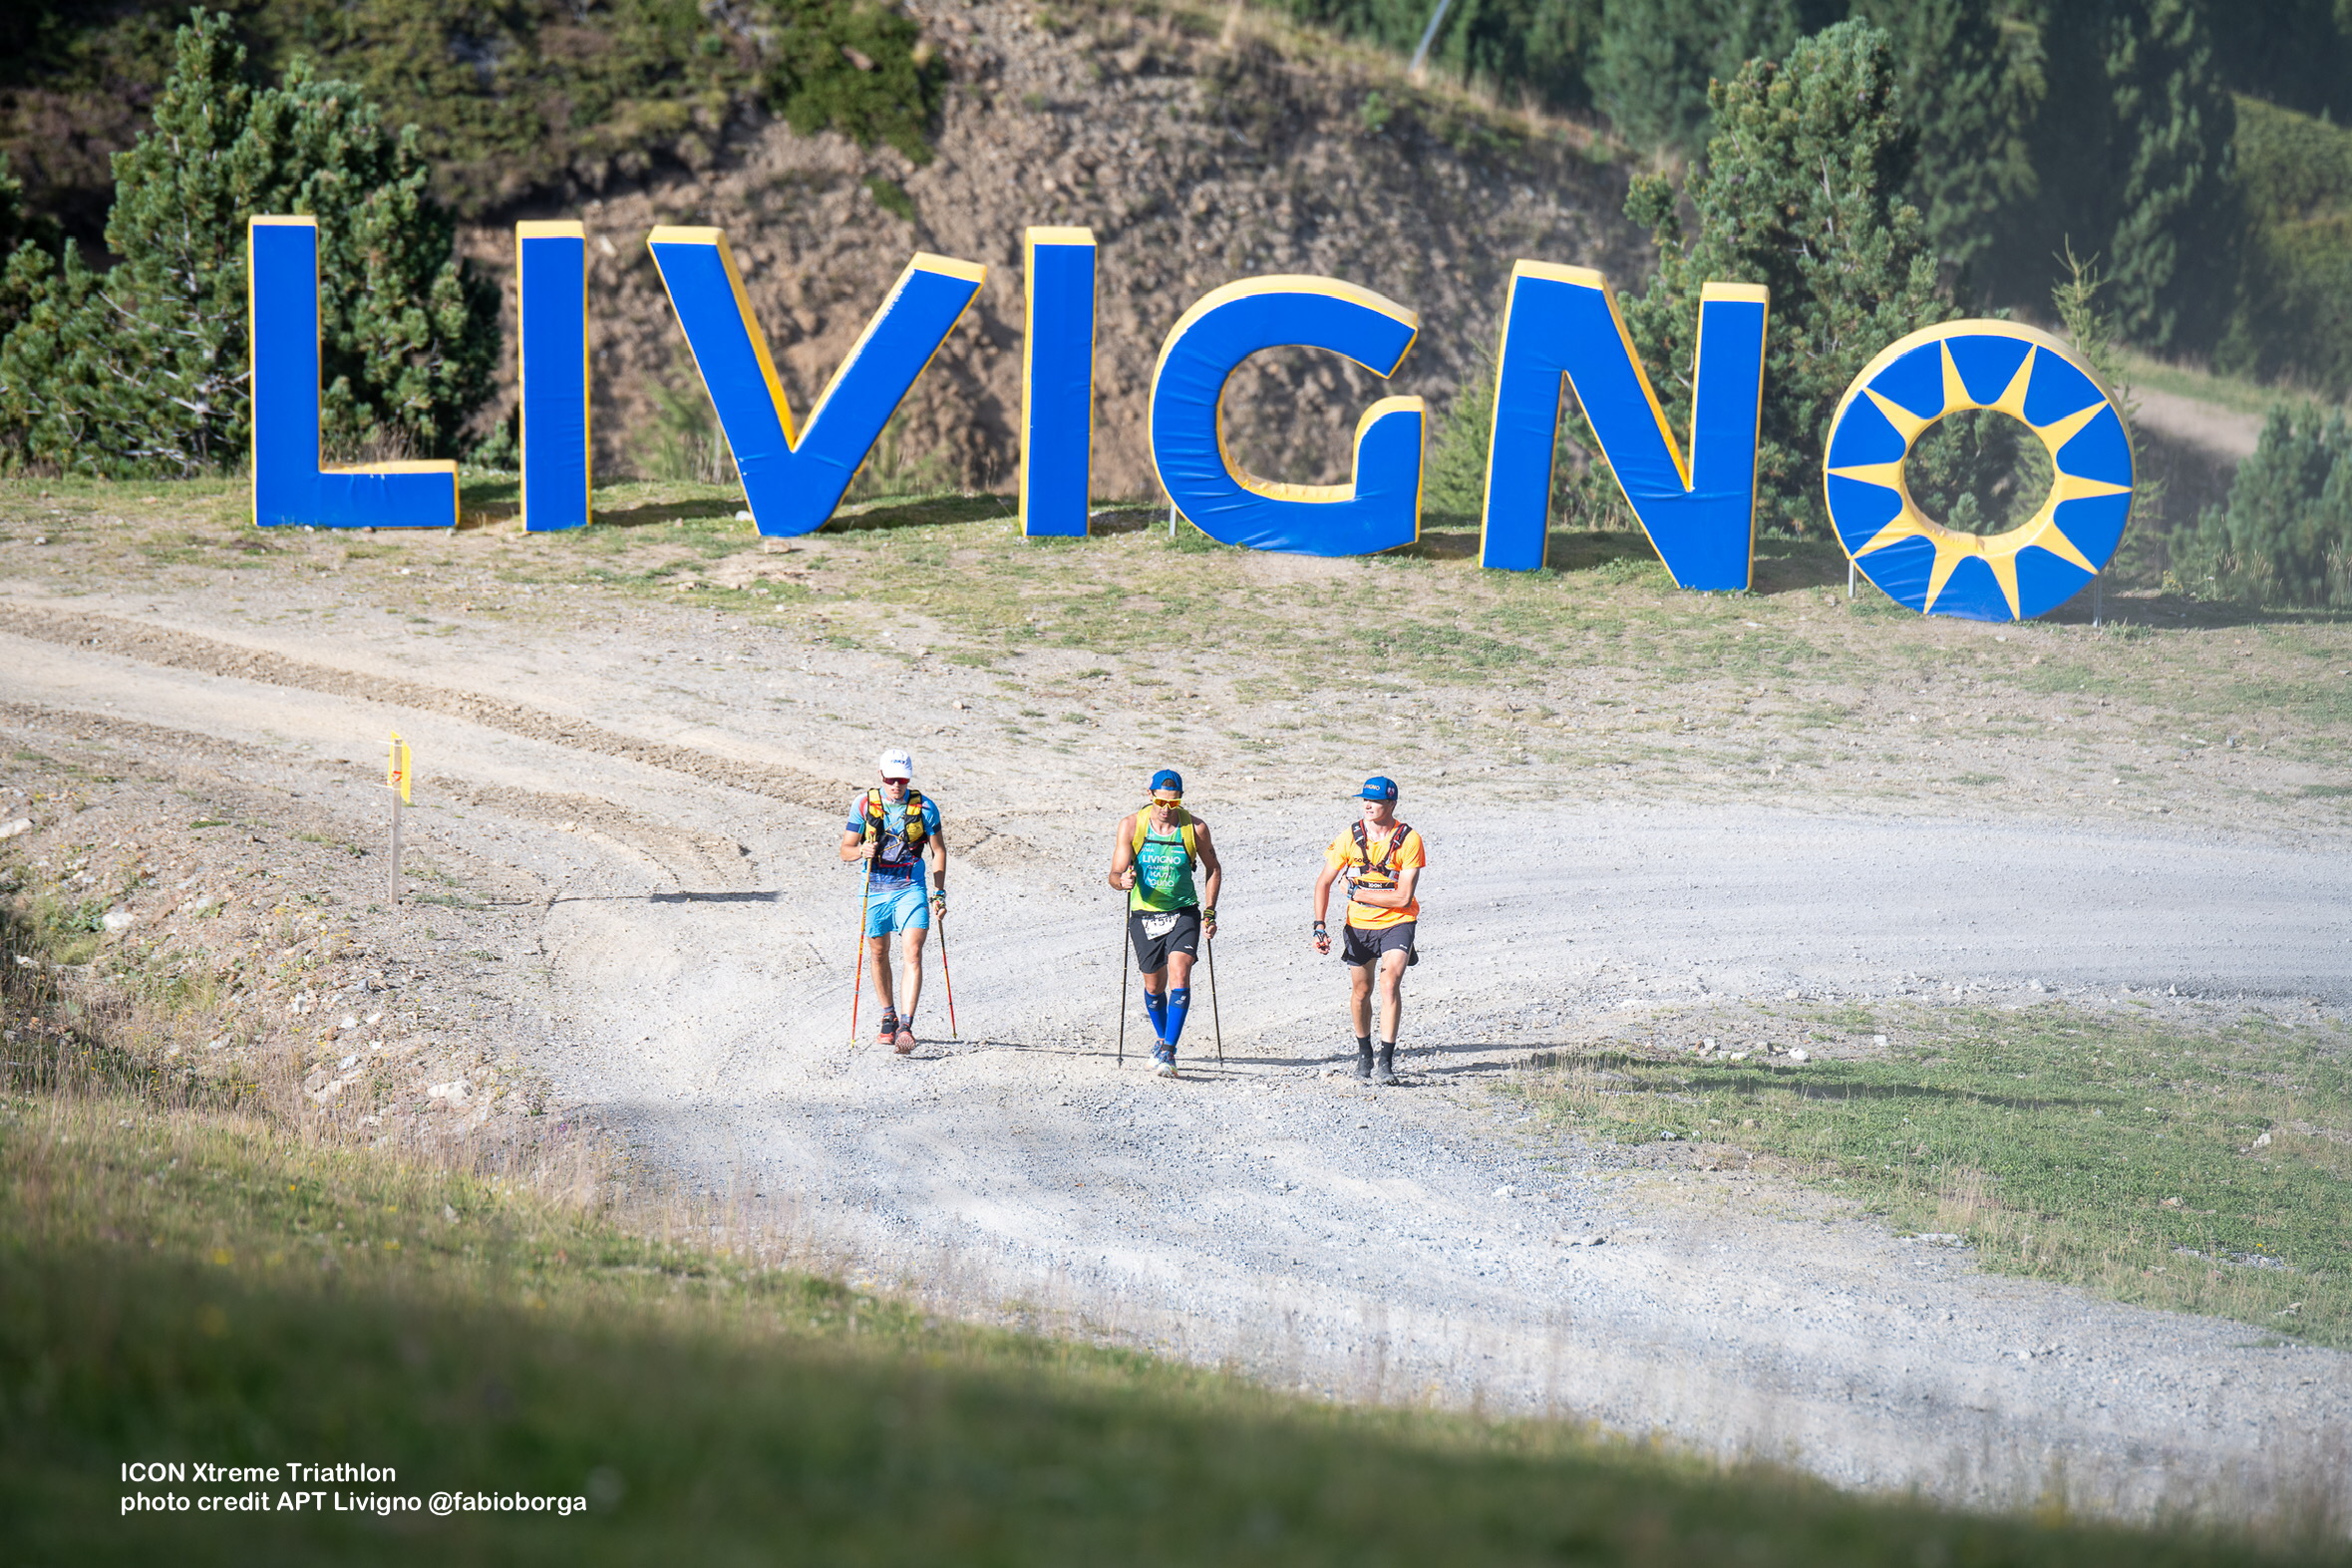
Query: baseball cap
<point>1378,788</point>
<point>897,764</point>
<point>1167,779</point>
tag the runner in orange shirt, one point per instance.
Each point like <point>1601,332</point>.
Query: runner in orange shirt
<point>1382,860</point>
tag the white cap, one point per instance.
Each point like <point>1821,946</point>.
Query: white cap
<point>896,763</point>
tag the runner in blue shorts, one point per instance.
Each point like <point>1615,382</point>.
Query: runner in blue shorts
<point>895,829</point>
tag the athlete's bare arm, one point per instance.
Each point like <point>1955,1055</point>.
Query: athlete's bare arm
<point>1321,901</point>
<point>936,851</point>
<point>854,845</point>
<point>1397,897</point>
<point>1122,854</point>
<point>1214,866</point>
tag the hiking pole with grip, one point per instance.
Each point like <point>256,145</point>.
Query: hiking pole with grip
<point>1125,952</point>
<point>1214,1015</point>
<point>948,975</point>
<point>857,989</point>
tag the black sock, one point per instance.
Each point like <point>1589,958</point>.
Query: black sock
<point>1363,1045</point>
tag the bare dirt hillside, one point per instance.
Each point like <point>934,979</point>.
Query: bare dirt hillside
<point>1195,158</point>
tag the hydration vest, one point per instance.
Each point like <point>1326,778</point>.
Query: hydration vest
<point>913,831</point>
<point>1364,870</point>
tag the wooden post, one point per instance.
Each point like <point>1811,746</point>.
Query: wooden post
<point>395,778</point>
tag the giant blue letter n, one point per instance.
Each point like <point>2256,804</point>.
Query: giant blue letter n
<point>1561,321</point>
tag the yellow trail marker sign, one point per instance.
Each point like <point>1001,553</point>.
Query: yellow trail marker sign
<point>396,771</point>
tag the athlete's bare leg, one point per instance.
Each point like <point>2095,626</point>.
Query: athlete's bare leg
<point>877,969</point>
<point>1360,1000</point>
<point>1392,995</point>
<point>914,970</point>
<point>1178,974</point>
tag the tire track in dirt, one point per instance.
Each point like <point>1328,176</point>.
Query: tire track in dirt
<point>206,656</point>
<point>976,841</point>
<point>691,858</point>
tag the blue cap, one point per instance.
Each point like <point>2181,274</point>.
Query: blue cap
<point>1378,788</point>
<point>1167,779</point>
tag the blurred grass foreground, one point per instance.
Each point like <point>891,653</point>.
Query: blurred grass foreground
<point>191,1284</point>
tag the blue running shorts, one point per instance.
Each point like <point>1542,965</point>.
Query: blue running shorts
<point>905,907</point>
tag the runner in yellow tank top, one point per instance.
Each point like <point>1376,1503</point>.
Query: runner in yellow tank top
<point>1382,859</point>
<point>1152,859</point>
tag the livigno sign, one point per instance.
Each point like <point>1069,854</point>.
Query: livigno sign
<point>1558,324</point>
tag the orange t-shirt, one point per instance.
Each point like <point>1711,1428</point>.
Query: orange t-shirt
<point>1342,855</point>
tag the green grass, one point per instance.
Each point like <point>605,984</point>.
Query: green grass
<point>183,1285</point>
<point>1598,660</point>
<point>2201,1170</point>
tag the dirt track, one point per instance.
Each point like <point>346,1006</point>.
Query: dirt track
<point>691,921</point>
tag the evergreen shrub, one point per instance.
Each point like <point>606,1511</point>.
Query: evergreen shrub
<point>2285,536</point>
<point>146,368</point>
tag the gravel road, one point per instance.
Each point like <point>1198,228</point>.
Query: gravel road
<point>1415,1243</point>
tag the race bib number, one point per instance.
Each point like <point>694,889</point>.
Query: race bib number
<point>1158,926</point>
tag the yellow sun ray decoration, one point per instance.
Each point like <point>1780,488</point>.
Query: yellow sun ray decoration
<point>1918,562</point>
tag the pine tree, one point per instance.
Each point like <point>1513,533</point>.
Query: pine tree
<point>1972,80</point>
<point>2285,536</point>
<point>2135,168</point>
<point>1800,193</point>
<point>145,368</point>
<point>20,282</point>
<point>1654,61</point>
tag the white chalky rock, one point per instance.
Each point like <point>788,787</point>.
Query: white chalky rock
<point>117,920</point>
<point>1800,1055</point>
<point>23,825</point>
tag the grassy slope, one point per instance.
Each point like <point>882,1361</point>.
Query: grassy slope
<point>178,1285</point>
<point>2118,1152</point>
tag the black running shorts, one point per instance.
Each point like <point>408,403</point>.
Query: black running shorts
<point>1158,933</point>
<point>1366,947</point>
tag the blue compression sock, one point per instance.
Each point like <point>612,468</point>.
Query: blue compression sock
<point>1156,1003</point>
<point>1178,1003</point>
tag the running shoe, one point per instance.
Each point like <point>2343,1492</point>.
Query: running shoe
<point>906,1040</point>
<point>889,1034</point>
<point>1165,1055</point>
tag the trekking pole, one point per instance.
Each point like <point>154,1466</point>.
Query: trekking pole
<point>857,991</point>
<point>1123,954</point>
<point>948,975</point>
<point>1214,1015</point>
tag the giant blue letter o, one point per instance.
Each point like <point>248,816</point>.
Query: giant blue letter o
<point>1922,565</point>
